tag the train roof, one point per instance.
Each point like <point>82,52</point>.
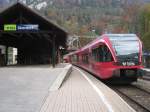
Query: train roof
<point>112,37</point>
<point>121,36</point>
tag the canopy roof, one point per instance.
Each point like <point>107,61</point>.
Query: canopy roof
<point>33,46</point>
<point>21,14</point>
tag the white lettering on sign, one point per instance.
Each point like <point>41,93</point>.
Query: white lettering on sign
<point>128,63</point>
<point>27,27</point>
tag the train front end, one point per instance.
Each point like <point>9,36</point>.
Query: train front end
<point>127,53</point>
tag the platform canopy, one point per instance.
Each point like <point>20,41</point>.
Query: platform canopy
<point>36,38</point>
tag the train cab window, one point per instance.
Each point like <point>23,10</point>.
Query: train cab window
<point>107,54</point>
<point>102,54</point>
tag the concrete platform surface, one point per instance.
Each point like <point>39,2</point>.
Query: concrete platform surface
<point>24,89</point>
<point>82,92</point>
<point>146,69</point>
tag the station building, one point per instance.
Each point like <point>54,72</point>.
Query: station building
<point>36,39</point>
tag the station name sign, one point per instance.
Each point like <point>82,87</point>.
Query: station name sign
<point>27,27</point>
<point>21,27</point>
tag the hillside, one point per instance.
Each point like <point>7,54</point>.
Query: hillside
<point>83,16</point>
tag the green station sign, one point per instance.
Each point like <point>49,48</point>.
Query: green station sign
<point>10,27</point>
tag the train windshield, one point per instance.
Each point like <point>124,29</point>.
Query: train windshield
<point>126,47</point>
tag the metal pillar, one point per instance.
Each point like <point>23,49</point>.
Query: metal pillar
<point>53,52</point>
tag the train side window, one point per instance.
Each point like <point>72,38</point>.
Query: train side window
<point>74,58</point>
<point>71,58</point>
<point>95,54</point>
<point>77,58</point>
<point>85,58</point>
<point>82,58</point>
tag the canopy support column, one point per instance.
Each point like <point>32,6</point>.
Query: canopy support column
<point>6,56</point>
<point>53,52</point>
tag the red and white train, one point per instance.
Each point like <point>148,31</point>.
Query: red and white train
<point>111,57</point>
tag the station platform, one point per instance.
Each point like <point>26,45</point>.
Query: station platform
<point>62,89</point>
<point>81,92</point>
<point>24,88</point>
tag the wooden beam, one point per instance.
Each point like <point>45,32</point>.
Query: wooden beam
<point>16,32</point>
<point>25,20</point>
<point>47,37</point>
<point>20,18</point>
<point>14,35</point>
<point>30,35</point>
<point>15,21</point>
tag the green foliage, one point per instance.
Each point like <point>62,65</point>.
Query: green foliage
<point>92,14</point>
<point>146,40</point>
<point>80,17</point>
<point>144,25</point>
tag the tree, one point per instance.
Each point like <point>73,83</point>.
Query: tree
<point>130,16</point>
<point>144,25</point>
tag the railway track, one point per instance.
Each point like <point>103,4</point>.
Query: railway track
<point>146,78</point>
<point>140,97</point>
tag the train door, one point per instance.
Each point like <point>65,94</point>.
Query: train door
<point>90,59</point>
<point>95,59</point>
